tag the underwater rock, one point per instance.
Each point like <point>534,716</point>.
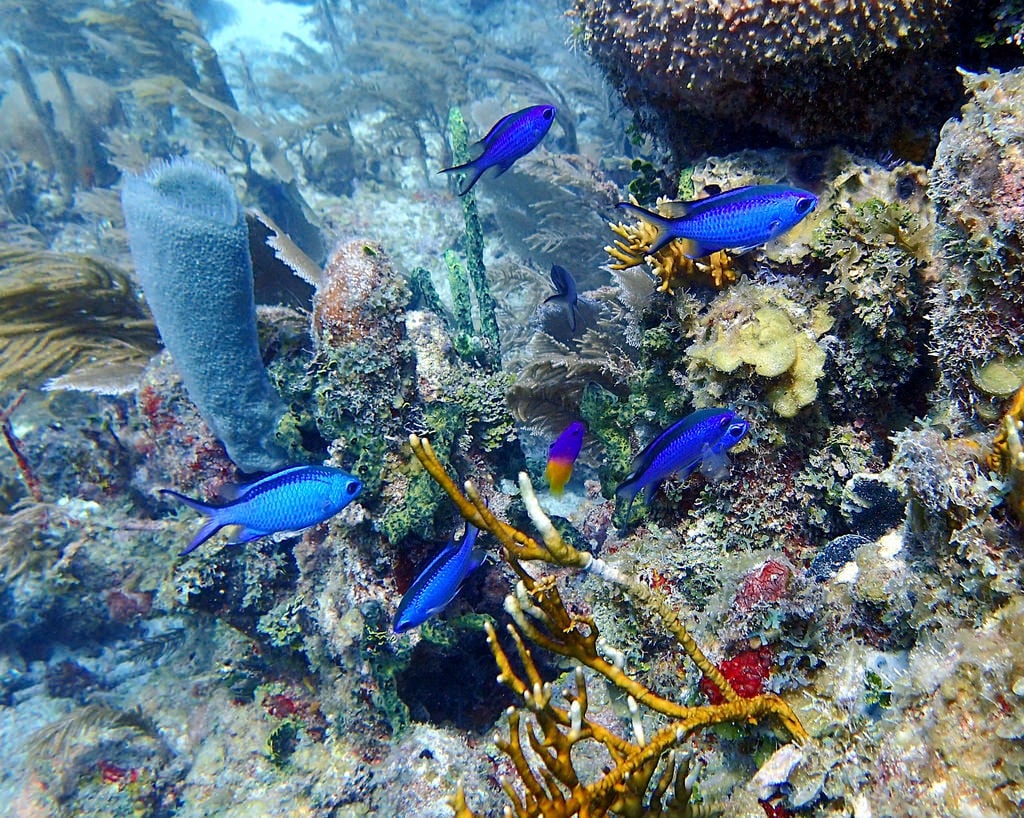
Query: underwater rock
<point>422,770</point>
<point>977,303</point>
<point>362,371</point>
<point>871,505</point>
<point>174,446</point>
<point>695,64</point>
<point>834,555</point>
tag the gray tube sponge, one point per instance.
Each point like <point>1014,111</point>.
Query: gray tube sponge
<point>190,246</point>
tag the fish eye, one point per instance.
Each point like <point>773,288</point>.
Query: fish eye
<point>804,205</point>
<point>352,488</point>
<point>549,112</point>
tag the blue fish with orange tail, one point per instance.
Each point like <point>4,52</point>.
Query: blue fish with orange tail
<point>510,138</point>
<point>702,439</point>
<point>439,582</point>
<point>288,500</point>
<point>737,220</point>
<point>562,456</point>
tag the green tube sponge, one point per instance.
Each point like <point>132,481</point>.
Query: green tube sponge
<point>190,246</point>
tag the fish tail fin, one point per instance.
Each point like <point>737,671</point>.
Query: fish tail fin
<point>558,473</point>
<point>198,505</point>
<point>210,527</point>
<point>663,224</point>
<point>627,492</point>
<point>471,169</point>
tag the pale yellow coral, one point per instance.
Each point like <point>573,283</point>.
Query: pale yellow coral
<point>767,335</point>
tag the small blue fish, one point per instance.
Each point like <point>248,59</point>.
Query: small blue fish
<point>511,138</point>
<point>438,583</point>
<point>565,293</point>
<point>737,220</point>
<point>702,438</point>
<point>288,500</point>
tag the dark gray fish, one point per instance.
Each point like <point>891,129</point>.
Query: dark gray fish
<point>565,293</point>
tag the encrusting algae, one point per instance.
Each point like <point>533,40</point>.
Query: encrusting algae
<point>538,611</point>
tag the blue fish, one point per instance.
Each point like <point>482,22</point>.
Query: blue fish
<point>737,220</point>
<point>438,583</point>
<point>702,438</point>
<point>511,138</point>
<point>287,500</point>
<point>565,293</point>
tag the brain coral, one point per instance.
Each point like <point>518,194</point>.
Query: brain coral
<point>805,70</point>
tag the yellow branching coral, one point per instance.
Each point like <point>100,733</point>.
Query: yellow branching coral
<point>538,612</point>
<point>1007,455</point>
<point>669,264</point>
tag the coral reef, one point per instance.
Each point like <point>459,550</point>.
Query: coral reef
<point>820,65</point>
<point>539,612</point>
<point>771,336</point>
<point>977,305</point>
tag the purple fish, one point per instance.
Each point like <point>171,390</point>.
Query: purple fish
<point>702,438</point>
<point>562,456</point>
<point>737,220</point>
<point>511,138</point>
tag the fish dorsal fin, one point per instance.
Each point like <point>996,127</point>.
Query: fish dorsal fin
<point>674,210</point>
<point>495,128</point>
<point>718,200</point>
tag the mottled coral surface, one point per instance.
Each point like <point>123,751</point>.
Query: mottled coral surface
<point>806,71</point>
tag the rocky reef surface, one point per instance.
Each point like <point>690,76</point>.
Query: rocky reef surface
<point>833,628</point>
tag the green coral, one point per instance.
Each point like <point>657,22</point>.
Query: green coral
<point>386,658</point>
<point>281,743</point>
<point>411,500</point>
<point>1000,377</point>
<point>485,341</point>
<point>281,625</point>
